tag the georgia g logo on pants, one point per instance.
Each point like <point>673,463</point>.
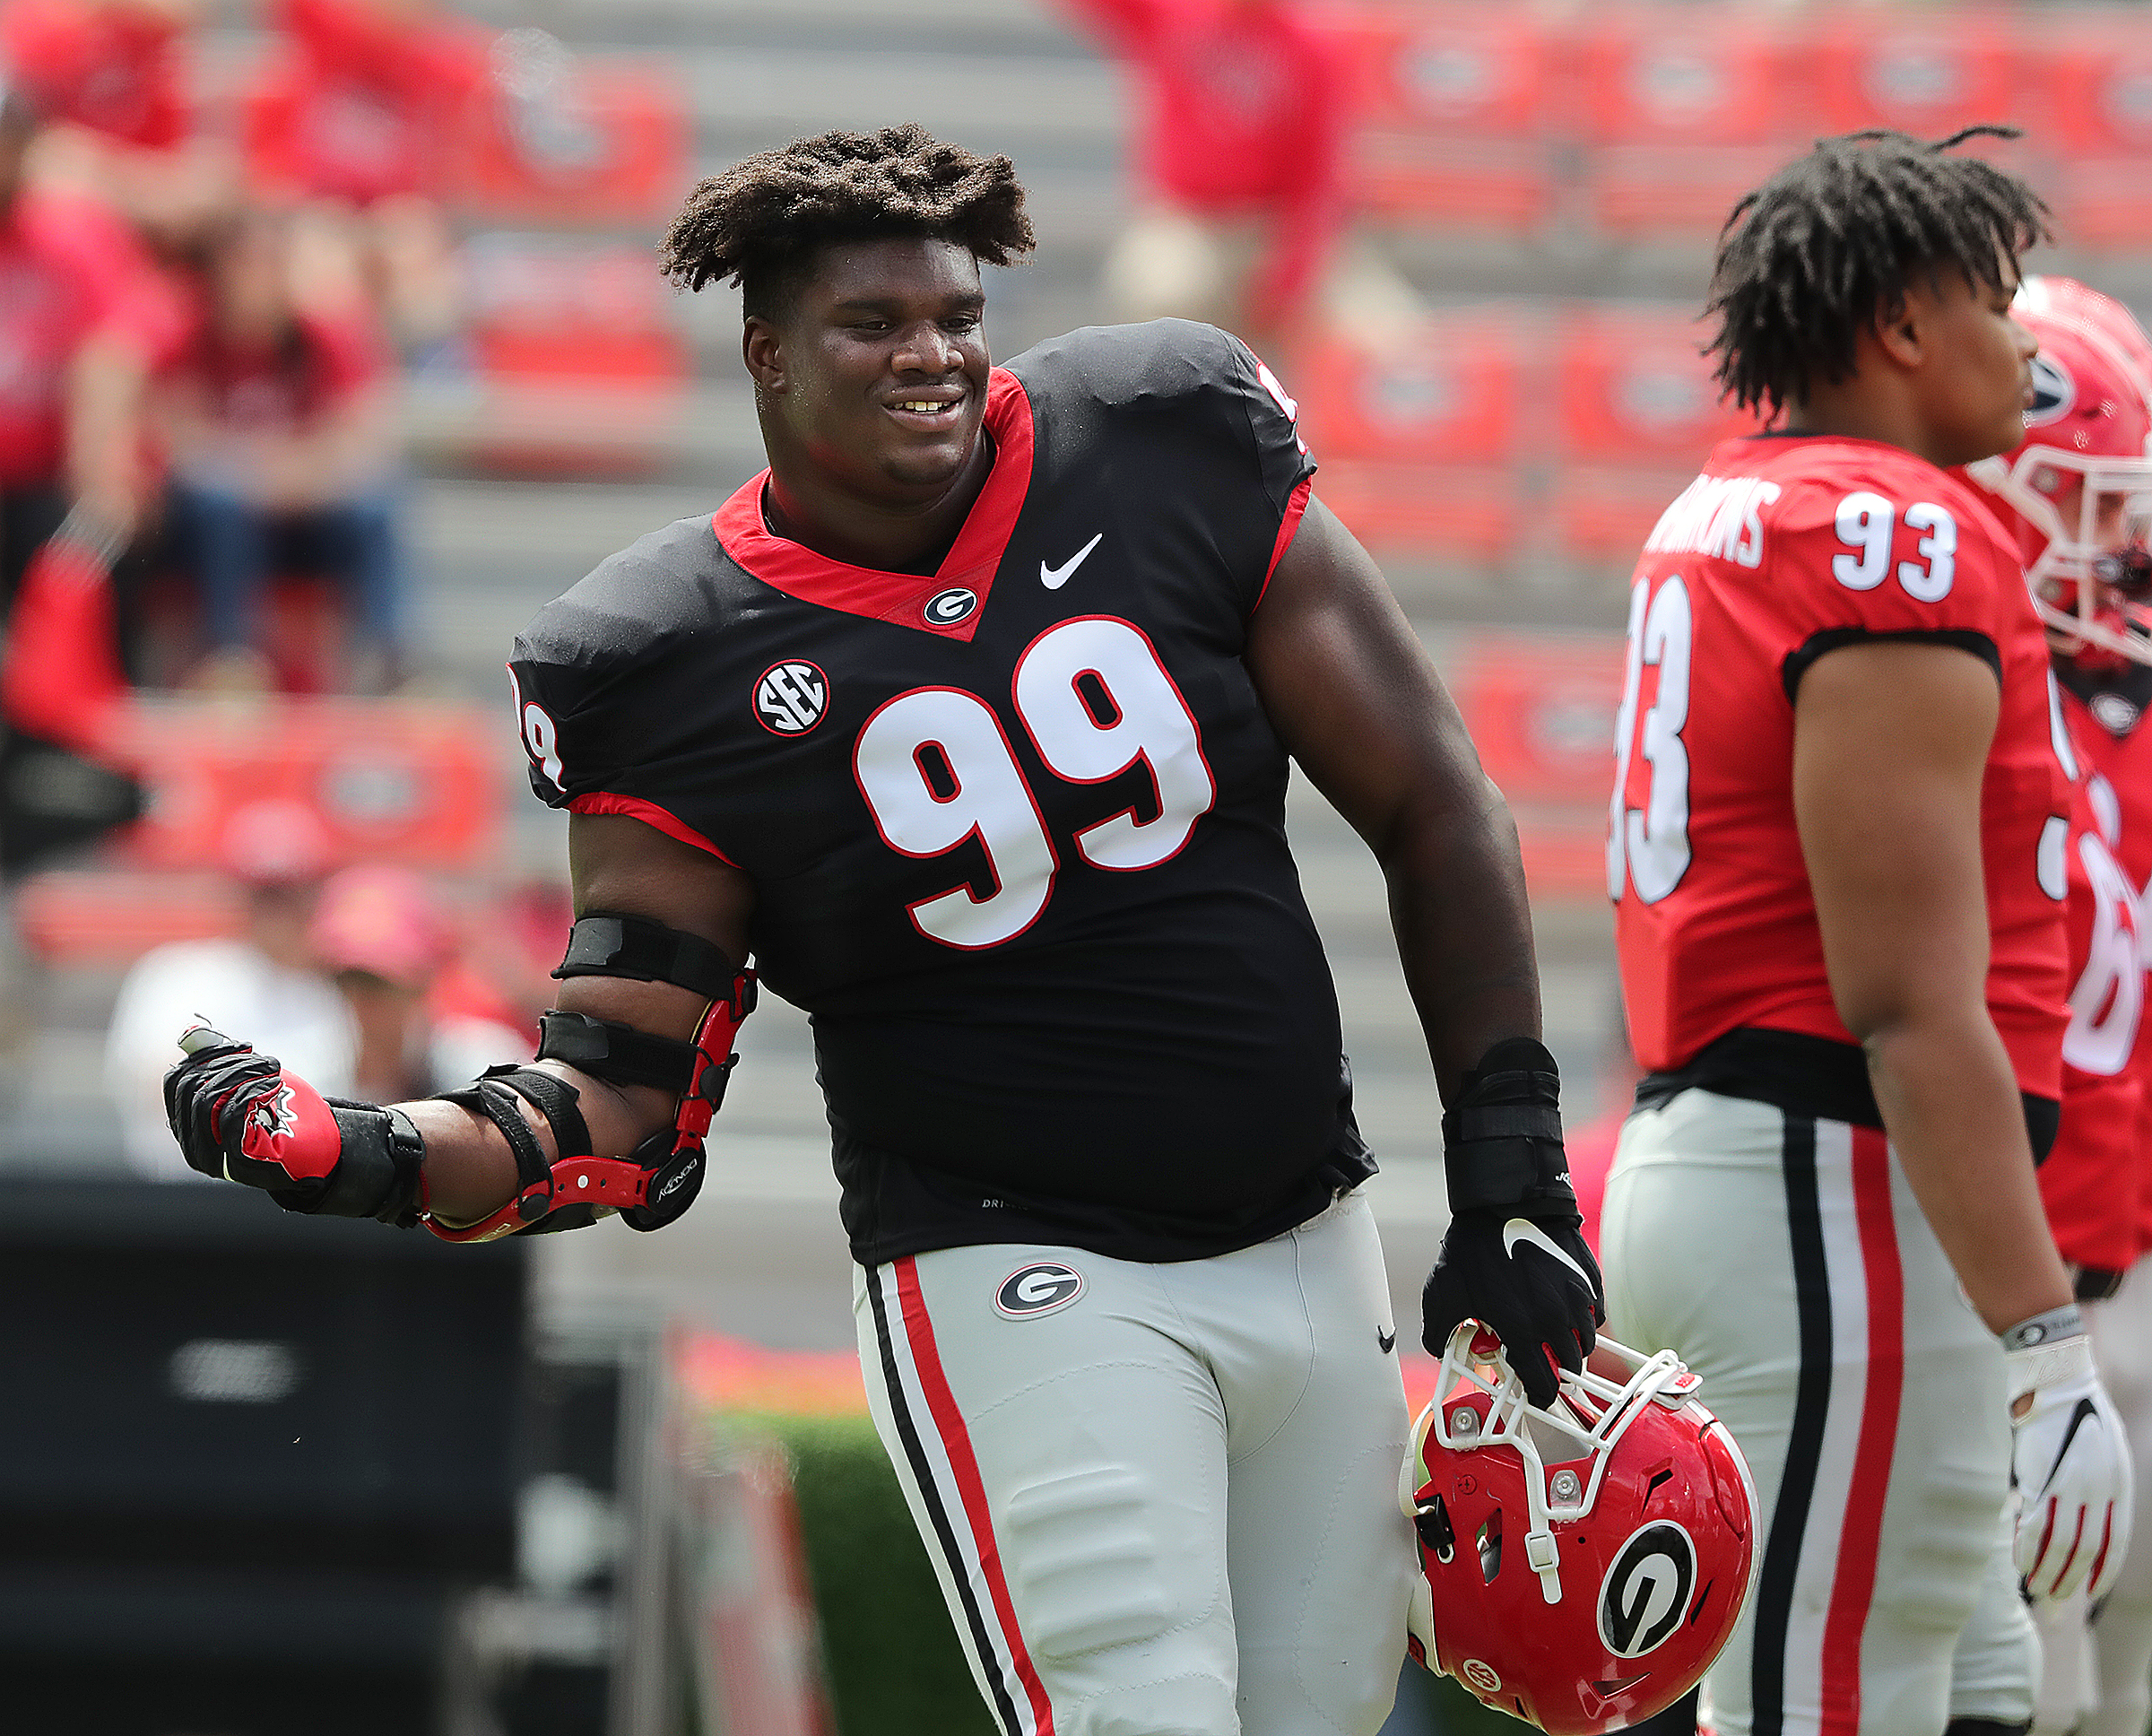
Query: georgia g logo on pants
<point>1646,1592</point>
<point>1041,1288</point>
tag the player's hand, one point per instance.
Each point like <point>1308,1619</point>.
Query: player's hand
<point>2070,1461</point>
<point>241,1115</point>
<point>1532,1281</point>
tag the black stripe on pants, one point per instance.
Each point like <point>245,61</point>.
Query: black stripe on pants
<point>1804,1445</point>
<point>922,1474</point>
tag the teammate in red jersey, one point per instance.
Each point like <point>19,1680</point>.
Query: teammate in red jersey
<point>2076,493</point>
<point>971,718</point>
<point>1838,860</point>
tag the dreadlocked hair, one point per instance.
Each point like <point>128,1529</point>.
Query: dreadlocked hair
<point>760,222</point>
<point>1826,247</point>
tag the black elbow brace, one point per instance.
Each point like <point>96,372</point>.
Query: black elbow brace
<point>660,1179</point>
<point>1502,1139</point>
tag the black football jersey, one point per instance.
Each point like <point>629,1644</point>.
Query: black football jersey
<point>1016,828</point>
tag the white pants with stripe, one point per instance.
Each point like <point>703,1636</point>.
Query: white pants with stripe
<point>2100,1676</point>
<point>1785,1258</point>
<point>1167,1504</point>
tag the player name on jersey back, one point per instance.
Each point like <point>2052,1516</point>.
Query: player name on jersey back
<point>1782,550</point>
<point>1016,826</point>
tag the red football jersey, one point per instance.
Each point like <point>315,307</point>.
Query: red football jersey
<point>2093,1168</point>
<point>1781,551</point>
<point>2106,711</point>
<point>116,69</point>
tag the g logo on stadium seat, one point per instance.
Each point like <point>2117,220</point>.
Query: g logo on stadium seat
<point>1039,1288</point>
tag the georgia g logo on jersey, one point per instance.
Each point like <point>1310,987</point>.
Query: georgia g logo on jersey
<point>791,697</point>
<point>1646,1592</point>
<point>1036,1289</point>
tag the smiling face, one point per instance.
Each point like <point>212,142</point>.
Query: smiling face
<point>873,374</point>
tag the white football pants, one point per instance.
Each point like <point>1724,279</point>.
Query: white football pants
<point>2099,1677</point>
<point>1164,1503</point>
<point>1786,1260</point>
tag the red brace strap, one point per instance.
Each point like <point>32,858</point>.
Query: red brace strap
<point>651,1186</point>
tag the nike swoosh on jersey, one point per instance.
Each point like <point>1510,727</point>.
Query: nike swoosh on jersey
<point>1523,1230</point>
<point>1054,578</point>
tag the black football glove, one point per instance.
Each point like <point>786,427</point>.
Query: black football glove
<point>241,1116</point>
<point>1531,1282</point>
<point>1513,1258</point>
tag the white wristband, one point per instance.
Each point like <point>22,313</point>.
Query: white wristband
<point>2051,1364</point>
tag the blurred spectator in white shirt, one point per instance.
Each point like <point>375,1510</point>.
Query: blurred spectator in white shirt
<point>262,987</point>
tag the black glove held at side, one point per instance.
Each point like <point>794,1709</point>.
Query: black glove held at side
<point>1514,1257</point>
<point>1532,1281</point>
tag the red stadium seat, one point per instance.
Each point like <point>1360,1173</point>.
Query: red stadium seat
<point>1449,393</point>
<point>1643,190</point>
<point>1426,512</point>
<point>109,917</point>
<point>1412,181</point>
<point>581,363</point>
<point>2095,73</point>
<point>1603,515</point>
<point>2104,202</point>
<point>1453,101</point>
<point>1656,75</point>
<point>1924,74</point>
<point>408,781</point>
<point>615,151</point>
<point>1445,69</point>
<point>1541,712</point>
<point>1635,388</point>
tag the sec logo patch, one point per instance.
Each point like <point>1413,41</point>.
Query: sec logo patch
<point>947,608</point>
<point>791,697</point>
<point>1045,1288</point>
<point>1481,1677</point>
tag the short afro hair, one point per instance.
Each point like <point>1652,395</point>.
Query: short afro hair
<point>1826,247</point>
<point>761,221</point>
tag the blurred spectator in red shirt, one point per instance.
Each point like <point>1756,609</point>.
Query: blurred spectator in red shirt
<point>79,317</point>
<point>1244,113</point>
<point>351,113</point>
<point>279,421</point>
<point>110,79</point>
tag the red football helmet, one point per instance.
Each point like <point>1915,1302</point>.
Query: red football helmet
<point>2078,492</point>
<point>1582,1566</point>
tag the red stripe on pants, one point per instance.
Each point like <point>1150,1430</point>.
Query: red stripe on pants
<point>956,1442</point>
<point>1855,1583</point>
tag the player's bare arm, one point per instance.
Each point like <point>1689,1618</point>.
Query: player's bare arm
<point>1351,691</point>
<point>1889,744</point>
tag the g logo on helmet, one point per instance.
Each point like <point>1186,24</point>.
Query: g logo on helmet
<point>1646,1592</point>
<point>1039,1288</point>
<point>2054,393</point>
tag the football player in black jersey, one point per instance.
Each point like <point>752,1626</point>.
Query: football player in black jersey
<point>969,720</point>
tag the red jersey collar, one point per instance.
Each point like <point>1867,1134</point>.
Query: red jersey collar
<point>902,598</point>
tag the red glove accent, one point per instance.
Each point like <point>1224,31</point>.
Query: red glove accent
<point>292,1127</point>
